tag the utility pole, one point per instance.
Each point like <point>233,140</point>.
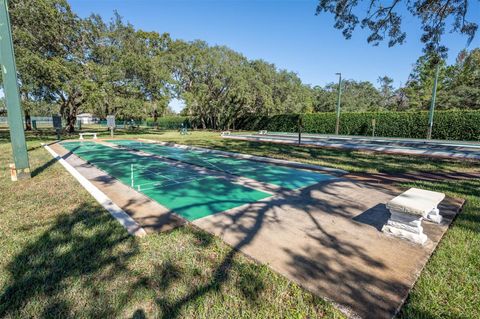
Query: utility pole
<point>432,105</point>
<point>12,98</point>
<point>337,125</point>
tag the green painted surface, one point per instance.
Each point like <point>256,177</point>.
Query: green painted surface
<point>184,191</point>
<point>12,98</point>
<point>288,178</point>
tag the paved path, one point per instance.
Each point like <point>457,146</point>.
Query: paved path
<point>440,149</point>
<point>327,238</point>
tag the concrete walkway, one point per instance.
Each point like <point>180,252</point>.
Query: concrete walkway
<point>327,239</point>
<point>467,151</point>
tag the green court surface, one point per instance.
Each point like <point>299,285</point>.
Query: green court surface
<point>186,192</point>
<point>285,177</point>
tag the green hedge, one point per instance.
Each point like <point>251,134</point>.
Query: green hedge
<point>173,122</point>
<point>450,125</point>
<point>278,123</point>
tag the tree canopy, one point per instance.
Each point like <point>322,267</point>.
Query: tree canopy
<point>384,20</point>
<point>69,65</point>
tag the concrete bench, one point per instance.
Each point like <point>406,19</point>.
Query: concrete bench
<point>82,134</point>
<point>407,211</point>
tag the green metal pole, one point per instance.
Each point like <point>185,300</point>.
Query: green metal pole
<point>337,125</point>
<point>12,98</point>
<point>432,105</point>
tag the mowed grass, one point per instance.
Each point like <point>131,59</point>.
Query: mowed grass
<point>63,256</point>
<point>352,161</point>
<point>449,286</point>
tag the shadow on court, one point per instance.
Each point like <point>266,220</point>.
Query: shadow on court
<point>326,258</point>
<point>246,222</point>
<point>327,239</point>
<point>87,252</point>
<point>346,159</point>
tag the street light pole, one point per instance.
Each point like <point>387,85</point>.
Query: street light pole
<point>337,125</point>
<point>12,98</point>
<point>432,105</point>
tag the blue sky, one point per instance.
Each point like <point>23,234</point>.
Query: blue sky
<point>284,32</point>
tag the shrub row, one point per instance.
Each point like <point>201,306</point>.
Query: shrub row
<point>451,125</point>
<point>278,123</point>
<point>448,125</point>
<point>173,122</point>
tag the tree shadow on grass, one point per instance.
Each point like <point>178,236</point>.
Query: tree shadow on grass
<point>221,274</point>
<point>79,248</point>
<point>246,223</point>
<point>81,257</point>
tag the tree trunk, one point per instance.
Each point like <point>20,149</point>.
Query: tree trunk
<point>155,118</point>
<point>69,109</point>
<point>70,128</point>
<point>28,121</point>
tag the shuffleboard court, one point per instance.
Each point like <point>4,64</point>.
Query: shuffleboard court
<point>188,193</point>
<point>429,148</point>
<point>285,177</point>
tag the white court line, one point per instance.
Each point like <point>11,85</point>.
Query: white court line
<point>255,158</point>
<point>175,169</point>
<point>200,162</point>
<point>157,174</point>
<point>132,227</point>
<point>166,185</point>
<point>152,172</point>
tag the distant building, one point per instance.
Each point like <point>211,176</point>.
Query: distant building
<point>87,118</point>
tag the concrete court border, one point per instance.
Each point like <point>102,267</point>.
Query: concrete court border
<point>334,223</point>
<point>378,139</point>
<point>132,227</point>
<point>140,205</point>
<point>152,216</point>
<point>291,164</point>
<point>220,224</point>
<point>399,150</point>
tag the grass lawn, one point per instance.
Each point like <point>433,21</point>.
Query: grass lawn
<point>64,256</point>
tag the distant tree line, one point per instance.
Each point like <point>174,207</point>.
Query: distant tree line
<point>458,88</point>
<point>69,65</point>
